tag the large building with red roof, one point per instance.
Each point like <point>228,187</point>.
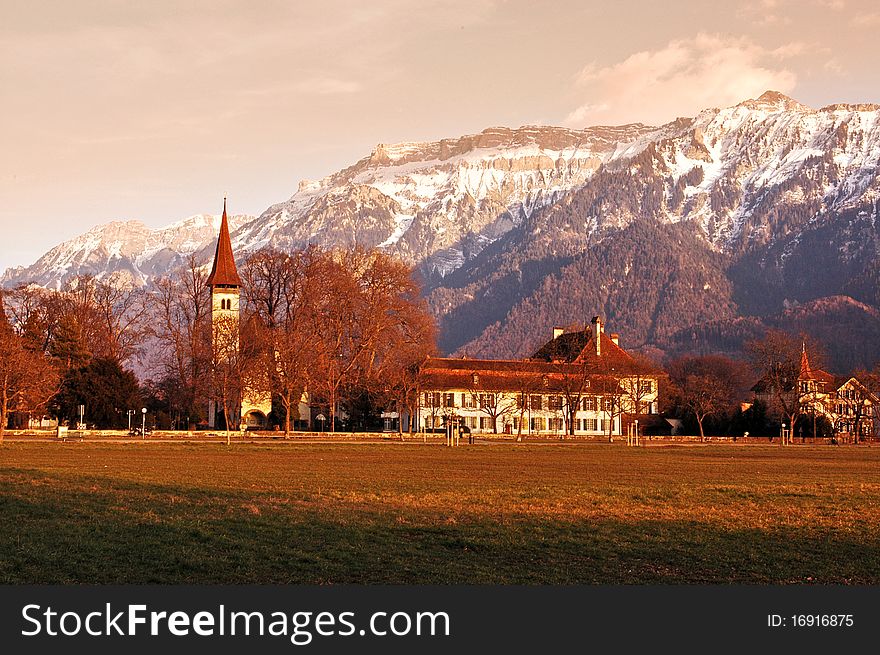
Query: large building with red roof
<point>580,383</point>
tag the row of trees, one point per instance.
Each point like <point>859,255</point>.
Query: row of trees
<point>60,349</point>
<point>348,326</point>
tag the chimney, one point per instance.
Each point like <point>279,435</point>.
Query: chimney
<point>597,334</point>
<point>558,332</point>
<point>615,339</point>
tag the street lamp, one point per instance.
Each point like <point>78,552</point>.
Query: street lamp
<point>783,434</point>
<point>144,423</point>
<point>130,413</point>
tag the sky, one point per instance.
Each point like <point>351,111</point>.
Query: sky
<point>119,110</point>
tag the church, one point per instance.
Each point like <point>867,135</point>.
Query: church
<point>225,284</point>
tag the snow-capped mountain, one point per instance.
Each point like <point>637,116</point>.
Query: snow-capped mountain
<point>128,250</point>
<point>742,211</point>
<point>439,204</point>
<point>775,202</point>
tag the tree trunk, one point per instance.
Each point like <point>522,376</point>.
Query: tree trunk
<point>332,411</point>
<point>4,410</point>
<point>285,400</point>
<point>226,419</point>
<point>702,434</point>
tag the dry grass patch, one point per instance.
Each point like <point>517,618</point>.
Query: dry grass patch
<point>411,513</point>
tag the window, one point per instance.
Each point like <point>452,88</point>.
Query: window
<point>432,399</point>
<point>556,424</point>
<point>535,402</point>
<point>554,402</point>
<point>606,404</point>
<point>487,400</point>
<point>545,381</point>
<point>485,423</point>
<point>467,400</point>
<point>475,379</point>
<point>537,424</point>
<point>516,423</point>
<point>449,400</point>
<point>591,425</point>
<point>589,404</point>
<point>645,387</point>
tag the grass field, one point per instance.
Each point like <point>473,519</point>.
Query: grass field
<point>414,513</point>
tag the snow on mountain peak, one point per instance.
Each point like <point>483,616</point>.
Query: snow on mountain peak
<point>438,204</point>
<point>775,101</point>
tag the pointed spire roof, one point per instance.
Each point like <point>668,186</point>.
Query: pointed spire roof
<point>224,272</point>
<point>806,371</point>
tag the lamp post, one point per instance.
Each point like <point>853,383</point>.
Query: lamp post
<point>144,423</point>
<point>130,413</point>
<point>783,434</point>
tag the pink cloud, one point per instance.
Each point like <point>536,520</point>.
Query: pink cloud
<point>679,80</point>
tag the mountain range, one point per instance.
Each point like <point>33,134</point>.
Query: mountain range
<point>691,236</point>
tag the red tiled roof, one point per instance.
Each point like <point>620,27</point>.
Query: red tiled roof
<point>612,354</point>
<point>808,373</point>
<point>529,375</point>
<point>580,348</point>
<point>224,272</point>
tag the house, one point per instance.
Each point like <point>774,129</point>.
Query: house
<point>578,383</point>
<point>848,405</point>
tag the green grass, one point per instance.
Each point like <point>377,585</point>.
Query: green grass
<point>414,513</point>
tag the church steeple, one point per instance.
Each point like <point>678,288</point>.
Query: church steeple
<point>224,273</point>
<point>806,369</point>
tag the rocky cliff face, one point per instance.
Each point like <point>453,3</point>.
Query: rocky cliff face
<point>437,205</point>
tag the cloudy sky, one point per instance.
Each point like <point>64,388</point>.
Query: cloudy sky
<point>116,109</point>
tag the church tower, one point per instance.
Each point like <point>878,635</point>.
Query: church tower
<point>225,285</point>
<point>224,280</point>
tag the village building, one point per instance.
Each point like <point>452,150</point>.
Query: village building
<point>848,405</point>
<point>579,383</point>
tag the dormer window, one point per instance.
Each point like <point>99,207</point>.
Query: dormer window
<point>475,378</point>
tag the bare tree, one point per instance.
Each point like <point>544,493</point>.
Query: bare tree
<point>707,385</point>
<point>776,358</point>
<point>573,381</point>
<point>279,289</point>
<point>610,397</point>
<point>367,305</point>
<point>122,312</point>
<point>181,324</point>
<point>496,405</point>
